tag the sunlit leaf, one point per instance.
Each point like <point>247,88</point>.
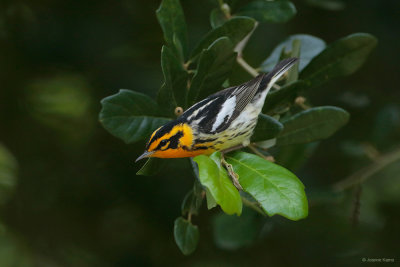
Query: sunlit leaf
<point>285,94</point>
<point>215,65</point>
<point>341,58</point>
<point>269,11</point>
<point>267,128</point>
<point>171,18</point>
<point>312,125</point>
<point>186,235</point>
<point>130,115</point>
<point>215,178</point>
<point>310,46</point>
<point>173,92</point>
<point>277,190</point>
<point>236,29</point>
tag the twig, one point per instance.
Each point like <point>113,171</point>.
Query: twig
<point>255,150</point>
<point>363,174</point>
<point>246,66</point>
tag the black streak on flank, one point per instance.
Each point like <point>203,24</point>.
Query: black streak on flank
<point>201,141</point>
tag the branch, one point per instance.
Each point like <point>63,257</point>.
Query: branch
<point>363,174</point>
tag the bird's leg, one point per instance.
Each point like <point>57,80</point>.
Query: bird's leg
<point>231,172</point>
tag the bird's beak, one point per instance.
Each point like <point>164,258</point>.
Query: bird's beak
<point>146,154</point>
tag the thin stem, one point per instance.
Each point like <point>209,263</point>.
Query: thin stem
<point>253,72</point>
<point>365,173</point>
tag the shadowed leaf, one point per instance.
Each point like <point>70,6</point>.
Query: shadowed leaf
<point>215,65</point>
<point>312,125</point>
<point>267,128</point>
<point>186,235</point>
<point>341,58</point>
<point>269,11</point>
<point>130,116</point>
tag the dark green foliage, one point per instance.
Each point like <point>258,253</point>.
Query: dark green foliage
<point>269,11</point>
<point>267,187</point>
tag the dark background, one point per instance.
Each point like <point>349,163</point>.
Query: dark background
<point>77,201</point>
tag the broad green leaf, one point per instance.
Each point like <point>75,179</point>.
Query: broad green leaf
<point>215,65</point>
<point>285,94</point>
<point>269,11</point>
<point>186,235</point>
<point>341,58</point>
<point>130,116</point>
<point>310,46</point>
<point>152,167</point>
<point>312,125</point>
<point>173,92</point>
<point>8,174</point>
<point>171,18</point>
<point>217,18</point>
<point>277,190</point>
<point>215,178</point>
<point>267,128</point>
<point>233,232</point>
<point>211,203</point>
<point>236,29</point>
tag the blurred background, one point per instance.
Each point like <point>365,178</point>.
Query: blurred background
<point>68,191</point>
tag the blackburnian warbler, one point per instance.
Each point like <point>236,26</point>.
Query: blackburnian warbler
<point>220,122</point>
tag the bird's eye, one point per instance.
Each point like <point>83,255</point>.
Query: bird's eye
<point>163,142</point>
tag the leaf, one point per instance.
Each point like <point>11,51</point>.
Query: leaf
<point>8,174</point>
<point>217,18</point>
<point>215,178</point>
<point>215,65</point>
<point>341,58</point>
<point>312,125</point>
<point>130,116</point>
<point>186,235</point>
<point>269,11</point>
<point>171,18</point>
<point>331,5</point>
<point>267,128</point>
<point>310,47</point>
<point>236,29</point>
<point>152,167</point>
<point>277,190</point>
<point>284,95</point>
<point>173,92</point>
<point>233,232</point>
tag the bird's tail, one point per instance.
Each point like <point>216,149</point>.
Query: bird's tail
<point>269,79</point>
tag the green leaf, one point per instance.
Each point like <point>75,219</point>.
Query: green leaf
<point>173,92</point>
<point>233,232</point>
<point>236,29</point>
<point>331,5</point>
<point>277,190</point>
<point>215,65</point>
<point>186,235</point>
<point>152,167</point>
<point>341,58</point>
<point>312,125</point>
<point>215,178</point>
<point>285,94</point>
<point>171,18</point>
<point>8,174</point>
<point>269,11</point>
<point>267,128</point>
<point>130,116</point>
<point>217,18</point>
<point>310,47</point>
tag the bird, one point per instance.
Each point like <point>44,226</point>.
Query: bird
<point>221,122</point>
